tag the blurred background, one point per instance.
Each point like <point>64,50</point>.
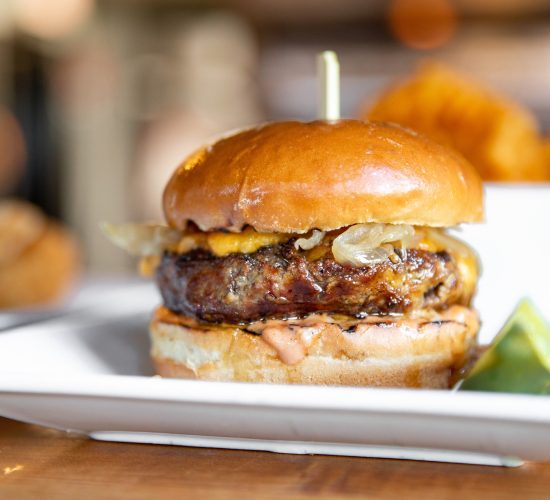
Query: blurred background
<point>101,99</point>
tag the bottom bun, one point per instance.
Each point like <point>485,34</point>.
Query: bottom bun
<point>427,350</point>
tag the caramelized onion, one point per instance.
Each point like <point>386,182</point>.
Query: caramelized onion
<point>142,239</point>
<point>366,244</point>
<point>448,242</point>
<point>308,243</point>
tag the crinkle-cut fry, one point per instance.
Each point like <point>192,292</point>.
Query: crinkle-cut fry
<point>499,137</point>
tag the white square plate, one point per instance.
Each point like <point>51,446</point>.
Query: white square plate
<point>89,372</point>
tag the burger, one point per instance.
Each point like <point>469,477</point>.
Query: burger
<point>315,253</point>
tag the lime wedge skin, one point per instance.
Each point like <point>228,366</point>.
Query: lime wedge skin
<point>518,361</point>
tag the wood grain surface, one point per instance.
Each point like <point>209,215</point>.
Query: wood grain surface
<point>42,463</point>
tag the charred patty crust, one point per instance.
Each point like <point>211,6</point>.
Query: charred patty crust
<point>279,281</point>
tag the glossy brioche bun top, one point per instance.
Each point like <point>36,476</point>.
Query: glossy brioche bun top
<point>291,177</point>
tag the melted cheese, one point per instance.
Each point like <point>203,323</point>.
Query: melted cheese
<point>468,268</point>
<point>247,241</point>
<point>148,265</point>
<point>466,259</point>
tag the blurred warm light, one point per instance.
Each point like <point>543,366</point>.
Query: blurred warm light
<point>219,56</point>
<point>148,92</point>
<point>12,145</point>
<point>6,18</point>
<point>87,79</point>
<point>423,24</point>
<point>10,470</point>
<point>51,18</point>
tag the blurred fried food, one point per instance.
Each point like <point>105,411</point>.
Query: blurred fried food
<point>12,145</point>
<point>499,137</point>
<point>39,259</point>
<point>546,146</point>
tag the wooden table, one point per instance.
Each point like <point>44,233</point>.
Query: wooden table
<point>42,463</point>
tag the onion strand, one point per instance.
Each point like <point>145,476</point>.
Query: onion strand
<point>142,239</point>
<point>367,244</point>
<point>308,243</point>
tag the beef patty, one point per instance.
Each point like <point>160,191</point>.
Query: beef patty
<point>279,281</point>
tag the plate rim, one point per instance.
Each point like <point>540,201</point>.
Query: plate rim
<point>421,402</point>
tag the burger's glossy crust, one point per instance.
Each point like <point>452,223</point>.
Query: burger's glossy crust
<point>294,176</point>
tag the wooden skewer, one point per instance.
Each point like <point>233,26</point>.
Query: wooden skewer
<point>328,77</point>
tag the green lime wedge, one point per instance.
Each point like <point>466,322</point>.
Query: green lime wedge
<point>518,360</point>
